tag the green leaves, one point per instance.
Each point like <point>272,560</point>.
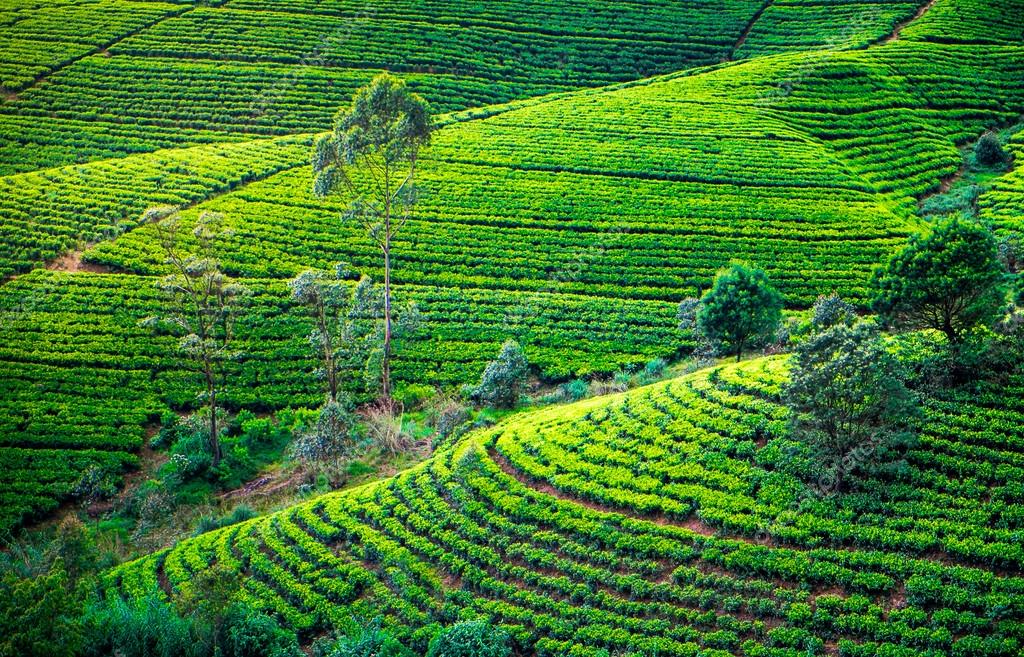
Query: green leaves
<point>950,280</point>
<point>741,310</point>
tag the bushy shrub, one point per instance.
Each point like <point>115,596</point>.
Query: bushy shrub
<point>333,438</point>
<point>364,641</point>
<point>240,513</point>
<point>250,633</point>
<point>988,152</point>
<point>830,310</point>
<point>654,369</point>
<point>504,379</point>
<point>575,390</point>
<point>451,421</point>
<point>471,639</point>
<point>144,627</point>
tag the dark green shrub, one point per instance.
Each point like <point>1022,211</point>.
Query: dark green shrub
<point>575,390</point>
<point>988,152</point>
<point>145,627</point>
<point>365,641</point>
<point>250,633</point>
<point>39,615</point>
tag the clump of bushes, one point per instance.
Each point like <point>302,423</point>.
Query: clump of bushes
<point>988,152</point>
<point>471,639</point>
<point>503,381</point>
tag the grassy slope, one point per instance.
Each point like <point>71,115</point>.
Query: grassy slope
<point>226,71</point>
<point>808,164</point>
<point>654,521</point>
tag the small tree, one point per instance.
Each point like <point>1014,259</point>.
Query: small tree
<point>848,402</point>
<point>741,309</point>
<point>324,298</point>
<point>504,379</point>
<point>371,156</point>
<point>204,304</point>
<point>950,280</point>
<point>333,437</point>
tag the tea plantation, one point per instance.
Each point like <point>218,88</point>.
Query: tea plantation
<point>654,523</point>
<point>593,165</point>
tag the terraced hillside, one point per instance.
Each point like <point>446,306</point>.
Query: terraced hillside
<point>92,79</point>
<point>657,522</point>
<point>104,78</point>
<point>573,222</point>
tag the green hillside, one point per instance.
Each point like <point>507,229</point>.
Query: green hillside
<point>658,522</point>
<point>682,203</point>
<point>573,222</point>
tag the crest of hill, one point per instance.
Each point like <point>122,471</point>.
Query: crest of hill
<point>655,521</point>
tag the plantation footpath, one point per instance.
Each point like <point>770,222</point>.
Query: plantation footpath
<point>655,521</point>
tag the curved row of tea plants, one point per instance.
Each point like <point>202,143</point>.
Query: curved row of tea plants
<point>469,533</point>
<point>46,213</point>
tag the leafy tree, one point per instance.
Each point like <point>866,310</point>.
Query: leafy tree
<point>848,401</point>
<point>204,303</point>
<point>741,309</point>
<point>39,616</point>
<point>504,379</point>
<point>371,157</point>
<point>471,639</point>
<point>211,594</point>
<point>324,298</point>
<point>950,280</point>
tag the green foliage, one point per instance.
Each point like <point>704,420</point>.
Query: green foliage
<point>250,633</point>
<point>471,639</point>
<point>950,280</point>
<point>39,615</point>
<point>831,310</point>
<point>363,641</point>
<point>504,379</point>
<point>988,151</point>
<point>740,310</point>
<point>333,438</point>
<point>849,403</point>
<point>144,627</point>
<point>575,390</point>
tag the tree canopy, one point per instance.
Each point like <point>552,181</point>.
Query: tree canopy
<point>950,280</point>
<point>741,309</point>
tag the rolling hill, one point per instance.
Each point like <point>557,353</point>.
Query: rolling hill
<point>658,521</point>
<point>574,221</point>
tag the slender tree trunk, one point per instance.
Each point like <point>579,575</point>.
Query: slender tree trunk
<point>327,346</point>
<point>211,393</point>
<point>385,365</point>
<point>386,360</point>
<point>739,351</point>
